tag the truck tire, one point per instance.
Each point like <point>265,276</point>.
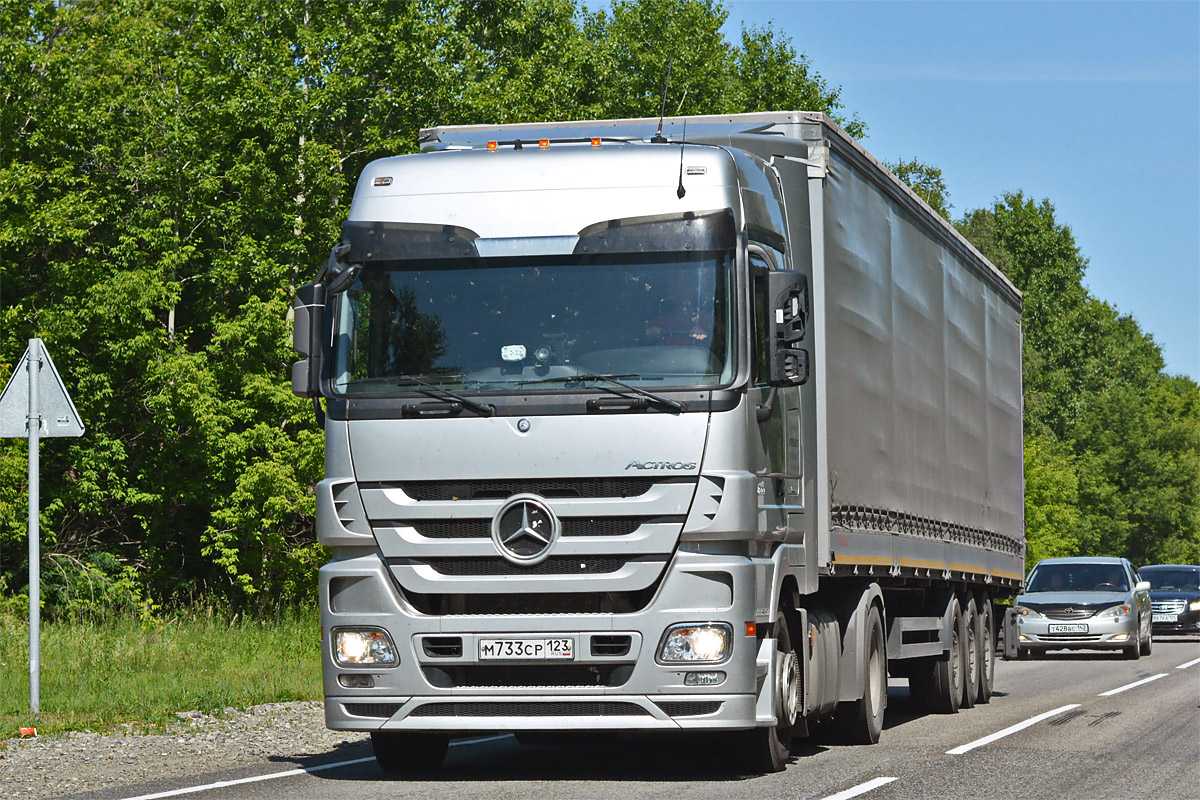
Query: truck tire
<point>972,654</point>
<point>987,641</point>
<point>768,749</point>
<point>403,752</point>
<point>861,721</point>
<point>945,689</point>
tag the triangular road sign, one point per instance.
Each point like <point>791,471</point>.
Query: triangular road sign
<point>59,417</point>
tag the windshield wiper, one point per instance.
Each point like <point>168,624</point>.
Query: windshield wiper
<point>591,377</point>
<point>482,409</point>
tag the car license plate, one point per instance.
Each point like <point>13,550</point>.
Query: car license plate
<point>1166,618</point>
<point>1069,627</point>
<point>559,648</point>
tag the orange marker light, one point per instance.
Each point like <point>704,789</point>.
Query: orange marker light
<point>492,145</point>
<point>751,629</point>
<point>543,143</point>
<point>595,141</point>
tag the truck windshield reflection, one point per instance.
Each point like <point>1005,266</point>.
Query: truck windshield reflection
<point>510,324</point>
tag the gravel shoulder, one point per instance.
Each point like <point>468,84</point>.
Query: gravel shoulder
<point>276,736</point>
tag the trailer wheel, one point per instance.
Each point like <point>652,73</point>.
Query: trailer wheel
<point>400,752</point>
<point>972,654</point>
<point>861,721</point>
<point>946,675</point>
<point>987,641</point>
<point>768,749</point>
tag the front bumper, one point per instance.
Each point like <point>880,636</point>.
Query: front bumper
<point>432,689</point>
<point>1097,634</point>
<point>1184,622</point>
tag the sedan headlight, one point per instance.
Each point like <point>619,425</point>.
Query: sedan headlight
<point>692,643</point>
<point>1027,612</point>
<point>363,647</point>
<point>1122,610</point>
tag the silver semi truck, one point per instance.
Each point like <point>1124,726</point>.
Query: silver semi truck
<point>700,424</point>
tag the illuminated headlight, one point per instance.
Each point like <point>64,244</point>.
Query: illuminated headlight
<point>363,647</point>
<point>1116,611</point>
<point>1194,605</point>
<point>706,643</point>
<point>1026,612</point>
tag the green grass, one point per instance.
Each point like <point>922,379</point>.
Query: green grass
<point>101,676</point>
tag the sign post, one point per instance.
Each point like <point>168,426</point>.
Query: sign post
<point>36,381</point>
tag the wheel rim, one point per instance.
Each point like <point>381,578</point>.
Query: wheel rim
<point>789,690</point>
<point>878,679</point>
<point>955,659</point>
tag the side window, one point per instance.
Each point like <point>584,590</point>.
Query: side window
<point>759,267</point>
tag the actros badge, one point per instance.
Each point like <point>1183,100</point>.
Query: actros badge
<point>524,530</point>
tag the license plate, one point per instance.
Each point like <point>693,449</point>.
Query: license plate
<point>1166,618</point>
<point>560,648</point>
<point>1070,627</point>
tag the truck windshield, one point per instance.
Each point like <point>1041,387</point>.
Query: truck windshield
<point>659,320</point>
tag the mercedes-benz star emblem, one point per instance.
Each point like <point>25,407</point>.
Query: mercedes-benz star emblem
<point>524,530</point>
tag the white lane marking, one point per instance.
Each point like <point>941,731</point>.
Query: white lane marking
<point>288,773</point>
<point>1191,663</point>
<point>862,788</point>
<point>1128,686</point>
<point>255,779</point>
<point>1020,726</point>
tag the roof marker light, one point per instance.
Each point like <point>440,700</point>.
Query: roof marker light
<point>543,143</point>
<point>492,145</point>
<point>595,141</point>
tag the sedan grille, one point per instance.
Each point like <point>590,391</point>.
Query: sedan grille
<point>1168,606</point>
<point>1069,613</point>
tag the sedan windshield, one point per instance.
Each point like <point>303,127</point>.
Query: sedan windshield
<point>1077,578</point>
<point>1181,580</point>
<point>505,324</point>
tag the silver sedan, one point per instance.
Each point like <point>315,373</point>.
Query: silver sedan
<point>1084,604</point>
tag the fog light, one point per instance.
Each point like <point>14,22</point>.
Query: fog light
<point>1120,637</point>
<point>703,678</point>
<point>1023,638</point>
<point>357,681</point>
<point>363,647</point>
<point>703,642</point>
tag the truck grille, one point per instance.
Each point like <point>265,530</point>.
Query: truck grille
<point>551,566</point>
<point>528,675</point>
<point>535,709</point>
<point>571,526</point>
<point>690,708</point>
<point>380,710</point>
<point>500,489</point>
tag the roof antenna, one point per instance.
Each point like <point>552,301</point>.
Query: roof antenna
<point>658,137</point>
<point>680,192</point>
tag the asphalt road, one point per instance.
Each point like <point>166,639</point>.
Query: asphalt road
<point>1085,725</point>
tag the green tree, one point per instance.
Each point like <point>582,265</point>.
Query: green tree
<point>926,181</point>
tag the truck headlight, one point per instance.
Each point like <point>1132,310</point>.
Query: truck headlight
<point>1194,605</point>
<point>1115,611</point>
<point>695,643</point>
<point>363,647</point>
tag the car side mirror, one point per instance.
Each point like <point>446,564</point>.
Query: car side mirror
<point>787,292</point>
<point>307,330</point>
<point>1142,586</point>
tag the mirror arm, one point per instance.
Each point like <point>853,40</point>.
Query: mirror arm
<point>764,411</point>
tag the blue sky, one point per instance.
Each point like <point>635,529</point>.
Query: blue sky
<point>1092,105</point>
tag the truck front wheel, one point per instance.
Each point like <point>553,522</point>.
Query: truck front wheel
<point>400,752</point>
<point>768,749</point>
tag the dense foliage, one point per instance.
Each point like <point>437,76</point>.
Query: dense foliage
<point>171,169</point>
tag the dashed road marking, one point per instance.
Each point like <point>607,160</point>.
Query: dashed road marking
<point>1020,726</point>
<point>1191,663</point>
<point>862,788</point>
<point>1129,686</point>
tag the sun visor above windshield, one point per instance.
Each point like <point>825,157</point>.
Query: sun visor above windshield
<point>674,233</point>
<point>398,241</point>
